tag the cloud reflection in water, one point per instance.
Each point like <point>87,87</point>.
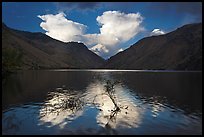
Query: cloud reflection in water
<point>63,106</point>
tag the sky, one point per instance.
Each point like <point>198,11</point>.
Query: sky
<point>106,28</point>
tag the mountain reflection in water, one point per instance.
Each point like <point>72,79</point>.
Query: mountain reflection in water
<point>77,103</point>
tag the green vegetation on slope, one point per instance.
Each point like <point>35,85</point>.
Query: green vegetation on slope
<point>11,60</point>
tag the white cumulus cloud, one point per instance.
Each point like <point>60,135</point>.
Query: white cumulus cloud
<point>115,28</point>
<point>60,28</point>
<point>156,32</point>
<point>99,49</point>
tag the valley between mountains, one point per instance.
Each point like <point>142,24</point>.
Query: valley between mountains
<point>180,49</point>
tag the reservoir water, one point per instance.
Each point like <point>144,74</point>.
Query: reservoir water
<point>77,102</point>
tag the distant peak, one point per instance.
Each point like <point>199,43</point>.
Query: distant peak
<point>77,44</point>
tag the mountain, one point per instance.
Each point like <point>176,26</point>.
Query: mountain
<point>38,51</point>
<point>178,50</point>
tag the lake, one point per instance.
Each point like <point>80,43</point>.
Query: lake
<point>102,102</point>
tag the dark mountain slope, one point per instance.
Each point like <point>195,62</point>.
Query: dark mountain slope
<point>178,50</point>
<point>41,51</point>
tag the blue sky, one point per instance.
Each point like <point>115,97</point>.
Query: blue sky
<point>153,18</point>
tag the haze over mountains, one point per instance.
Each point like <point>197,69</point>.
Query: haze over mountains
<point>177,50</point>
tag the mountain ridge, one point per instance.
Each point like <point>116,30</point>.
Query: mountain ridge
<point>180,49</point>
<point>41,51</point>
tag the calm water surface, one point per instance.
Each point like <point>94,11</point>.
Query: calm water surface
<point>76,102</point>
